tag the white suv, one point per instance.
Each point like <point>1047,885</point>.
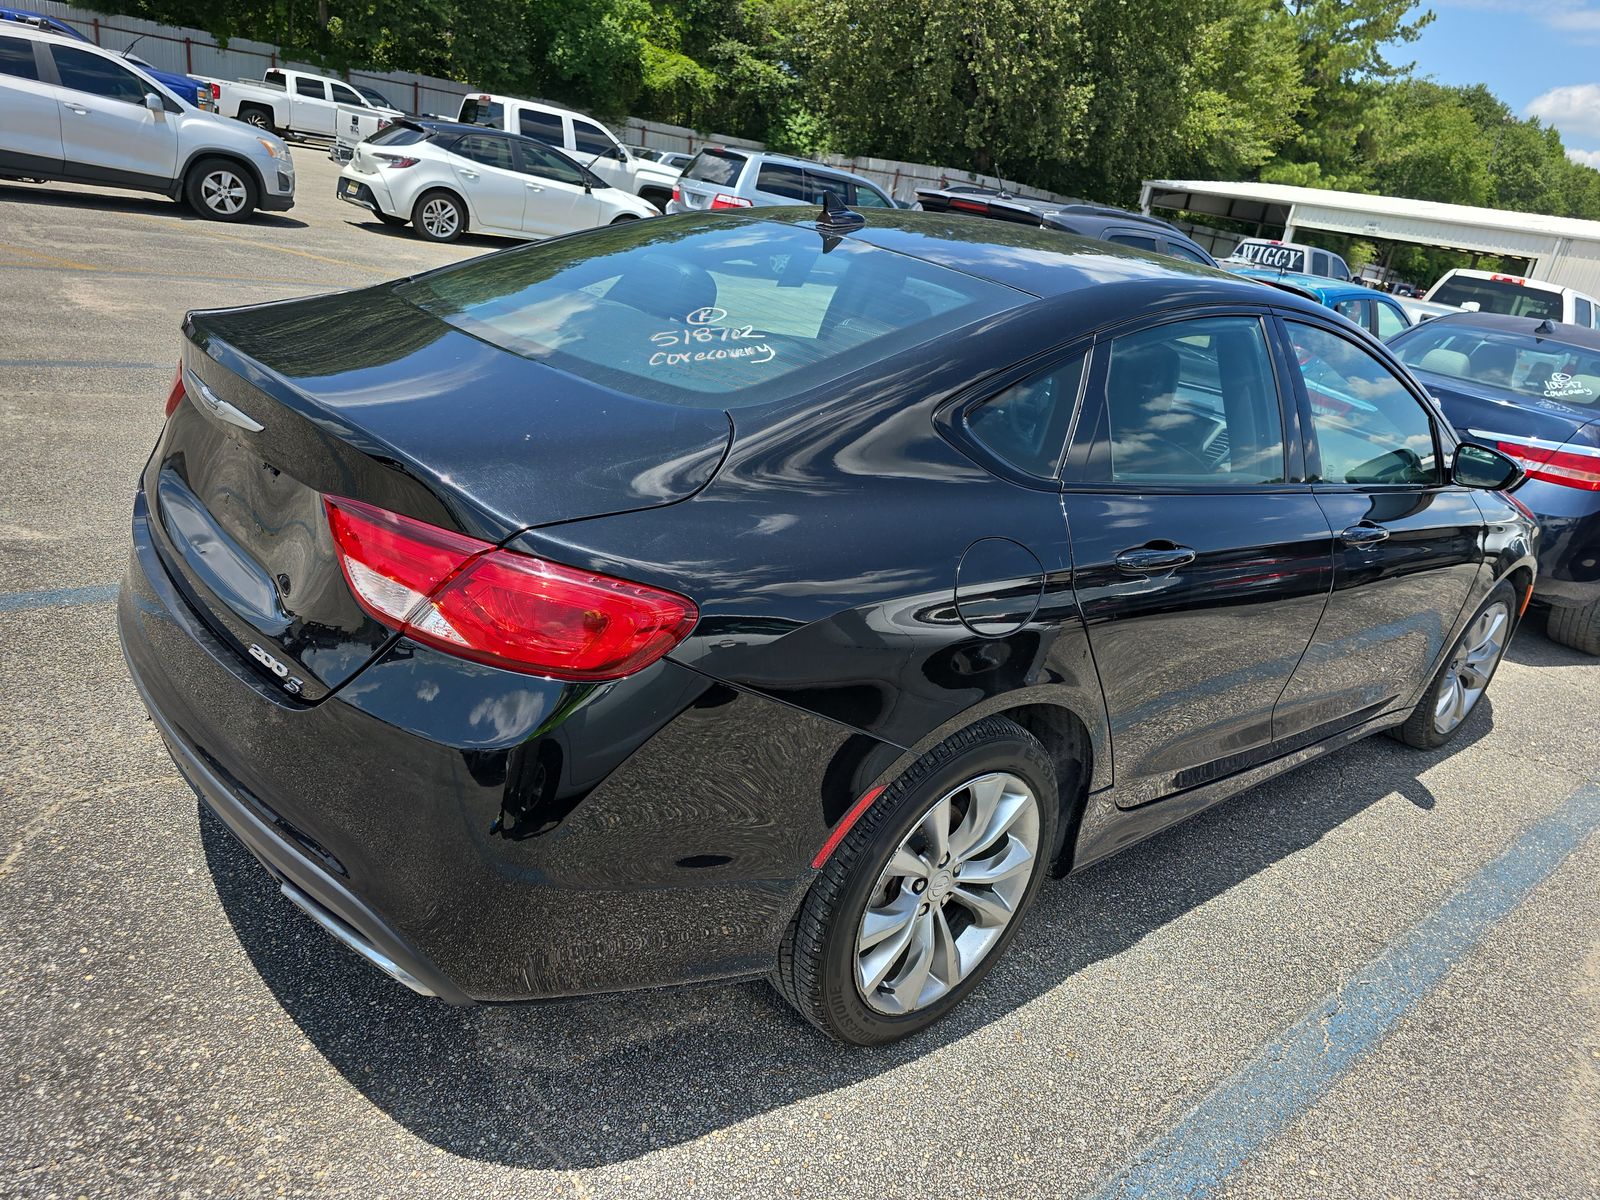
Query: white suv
<point>76,113</point>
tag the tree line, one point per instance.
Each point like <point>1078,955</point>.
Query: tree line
<point>1084,97</point>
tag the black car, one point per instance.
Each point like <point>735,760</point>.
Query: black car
<point>1099,221</point>
<point>744,594</point>
<point>1531,388</point>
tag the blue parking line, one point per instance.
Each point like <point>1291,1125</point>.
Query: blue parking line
<point>56,597</point>
<point>1288,1076</point>
<point>84,364</point>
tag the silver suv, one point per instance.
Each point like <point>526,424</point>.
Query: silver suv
<point>76,113</point>
<point>722,177</point>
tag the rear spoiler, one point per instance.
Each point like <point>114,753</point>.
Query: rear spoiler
<point>1000,208</point>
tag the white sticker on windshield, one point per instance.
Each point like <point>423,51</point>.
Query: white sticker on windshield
<point>1561,384</point>
<point>703,338</point>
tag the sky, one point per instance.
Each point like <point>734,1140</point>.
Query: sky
<point>1541,58</point>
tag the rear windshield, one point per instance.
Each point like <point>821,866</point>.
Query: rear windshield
<point>721,167</point>
<point>398,135</point>
<point>482,112</point>
<point>717,313</point>
<point>1500,296</point>
<point>1533,366</point>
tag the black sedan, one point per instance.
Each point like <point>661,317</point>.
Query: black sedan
<point>754,594</point>
<point>1531,388</point>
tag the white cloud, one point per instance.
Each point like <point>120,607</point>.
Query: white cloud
<point>1574,109</point>
<point>1587,158</point>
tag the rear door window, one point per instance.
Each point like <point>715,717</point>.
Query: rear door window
<point>743,312</point>
<point>83,71</point>
<point>535,158</point>
<point>1190,404</point>
<point>540,126</point>
<point>311,89</point>
<point>16,59</point>
<point>720,167</point>
<point>1390,322</point>
<point>780,179</point>
<point>1356,310</point>
<point>487,150</point>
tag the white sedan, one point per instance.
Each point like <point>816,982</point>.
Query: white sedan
<point>446,178</point>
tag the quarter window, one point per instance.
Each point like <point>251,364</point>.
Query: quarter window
<point>781,180</point>
<point>16,59</point>
<point>1193,404</point>
<point>866,197</point>
<point>1026,425</point>
<point>1370,428</point>
<point>1134,241</point>
<point>85,72</point>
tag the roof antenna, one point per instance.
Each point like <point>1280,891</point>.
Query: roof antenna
<point>835,217</point>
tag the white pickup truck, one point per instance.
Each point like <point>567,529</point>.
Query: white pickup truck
<point>285,101</point>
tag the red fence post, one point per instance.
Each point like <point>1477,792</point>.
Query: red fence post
<point>188,56</point>
<point>97,31</point>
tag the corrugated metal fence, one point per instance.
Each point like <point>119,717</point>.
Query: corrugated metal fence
<point>195,52</point>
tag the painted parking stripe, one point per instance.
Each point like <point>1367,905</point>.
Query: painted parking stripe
<point>84,364</point>
<point>1288,1076</point>
<point>56,598</point>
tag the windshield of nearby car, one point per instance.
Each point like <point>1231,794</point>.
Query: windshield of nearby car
<point>716,313</point>
<point>1534,366</point>
<point>720,167</point>
<point>1505,296</point>
<point>1267,254</point>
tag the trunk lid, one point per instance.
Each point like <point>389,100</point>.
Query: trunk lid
<point>364,396</point>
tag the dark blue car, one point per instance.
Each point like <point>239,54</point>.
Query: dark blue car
<point>182,86</point>
<point>1532,388</point>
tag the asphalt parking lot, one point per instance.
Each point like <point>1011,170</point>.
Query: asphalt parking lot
<point>1379,976</point>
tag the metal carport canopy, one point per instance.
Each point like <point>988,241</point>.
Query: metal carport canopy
<point>1564,250</point>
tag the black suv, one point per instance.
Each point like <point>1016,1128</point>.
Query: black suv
<point>1098,221</point>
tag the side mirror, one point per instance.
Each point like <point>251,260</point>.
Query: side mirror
<point>154,103</point>
<point>1478,466</point>
<point>619,153</point>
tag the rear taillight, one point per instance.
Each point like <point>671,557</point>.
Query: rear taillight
<point>1565,467</point>
<point>216,91</point>
<point>677,194</point>
<point>723,200</point>
<point>469,598</point>
<point>396,160</point>
<point>175,396</point>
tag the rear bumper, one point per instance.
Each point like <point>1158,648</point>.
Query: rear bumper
<point>482,835</point>
<point>1569,556</point>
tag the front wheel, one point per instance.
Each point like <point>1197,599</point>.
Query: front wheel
<point>921,898</point>
<point>438,217</point>
<point>1464,675</point>
<point>220,190</point>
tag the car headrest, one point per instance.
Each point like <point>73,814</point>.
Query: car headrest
<point>1446,362</point>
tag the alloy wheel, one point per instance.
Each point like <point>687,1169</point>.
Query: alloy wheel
<point>439,218</point>
<point>1476,657</point>
<point>223,192</point>
<point>257,118</point>
<point>948,893</point>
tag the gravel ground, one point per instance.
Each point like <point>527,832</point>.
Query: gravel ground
<point>170,1026</point>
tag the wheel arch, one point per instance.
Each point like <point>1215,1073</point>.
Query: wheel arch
<point>232,156</point>
<point>1066,738</point>
<point>454,194</point>
<point>656,195</point>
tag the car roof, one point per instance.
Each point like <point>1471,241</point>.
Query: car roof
<point>1521,280</point>
<point>1045,262</point>
<point>792,160</point>
<point>22,29</point>
<point>1580,336</point>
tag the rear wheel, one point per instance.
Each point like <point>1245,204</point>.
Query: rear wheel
<point>1576,626</point>
<point>922,897</point>
<point>261,118</point>
<point>1464,676</point>
<point>221,190</point>
<point>438,217</point>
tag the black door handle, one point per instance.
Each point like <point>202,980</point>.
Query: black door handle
<point>1143,560</point>
<point>1364,535</point>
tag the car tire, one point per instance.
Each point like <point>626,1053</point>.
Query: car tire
<point>1464,676</point>
<point>388,220</point>
<point>219,189</point>
<point>439,216</point>
<point>824,969</point>
<point>1577,626</point>
<point>261,118</point>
